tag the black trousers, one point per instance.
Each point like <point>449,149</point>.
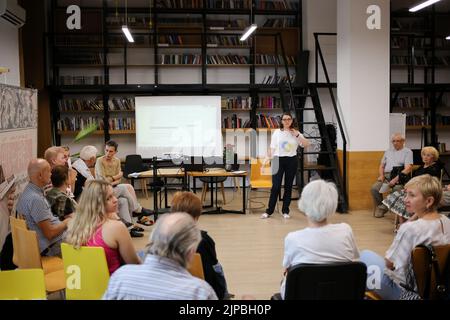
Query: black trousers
<point>287,166</point>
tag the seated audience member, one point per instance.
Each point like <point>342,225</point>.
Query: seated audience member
<point>423,194</point>
<point>395,201</point>
<point>320,242</point>
<point>58,156</point>
<point>191,204</point>
<point>96,225</point>
<point>400,156</point>
<point>88,157</point>
<point>37,212</point>
<point>108,168</point>
<point>61,203</point>
<point>163,275</point>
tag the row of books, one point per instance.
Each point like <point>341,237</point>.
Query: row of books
<point>273,59</point>
<point>180,59</point>
<point>268,121</point>
<point>133,21</point>
<point>421,60</point>
<point>232,103</point>
<point>272,79</point>
<point>227,41</point>
<point>121,104</point>
<point>230,4</point>
<point>276,5</point>
<point>234,122</point>
<point>412,102</point>
<point>122,124</point>
<point>403,42</point>
<point>171,39</point>
<point>80,105</point>
<point>179,4</point>
<point>280,23</point>
<point>79,57</point>
<point>408,24</point>
<point>417,120</point>
<point>224,24</point>
<point>80,80</point>
<point>227,59</point>
<point>79,123</point>
<point>269,102</point>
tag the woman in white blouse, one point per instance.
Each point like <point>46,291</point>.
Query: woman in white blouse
<point>283,151</point>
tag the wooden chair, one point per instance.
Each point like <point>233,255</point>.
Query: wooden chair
<point>22,285</point>
<point>86,272</point>
<point>215,180</point>
<point>29,257</point>
<point>424,269</point>
<point>196,267</point>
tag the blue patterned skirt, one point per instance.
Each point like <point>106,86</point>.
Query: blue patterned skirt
<point>396,203</point>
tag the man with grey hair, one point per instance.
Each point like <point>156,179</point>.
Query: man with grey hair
<point>33,205</point>
<point>394,161</point>
<point>163,275</point>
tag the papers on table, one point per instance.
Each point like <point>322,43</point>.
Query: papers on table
<point>134,175</point>
<point>238,172</point>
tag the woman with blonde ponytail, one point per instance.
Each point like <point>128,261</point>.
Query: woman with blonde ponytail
<point>95,225</point>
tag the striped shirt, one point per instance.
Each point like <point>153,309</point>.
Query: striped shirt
<point>410,235</point>
<point>35,208</point>
<point>157,278</point>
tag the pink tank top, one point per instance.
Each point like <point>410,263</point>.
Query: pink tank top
<point>112,255</point>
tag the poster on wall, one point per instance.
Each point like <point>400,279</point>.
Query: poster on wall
<point>18,145</point>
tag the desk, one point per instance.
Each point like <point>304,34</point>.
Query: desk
<point>221,173</point>
<point>163,173</point>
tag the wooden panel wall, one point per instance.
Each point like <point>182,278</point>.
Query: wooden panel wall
<point>34,67</point>
<point>362,171</point>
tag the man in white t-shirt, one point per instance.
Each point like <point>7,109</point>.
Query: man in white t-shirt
<point>398,158</point>
<point>320,242</point>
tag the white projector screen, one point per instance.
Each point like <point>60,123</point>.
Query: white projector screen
<point>178,126</point>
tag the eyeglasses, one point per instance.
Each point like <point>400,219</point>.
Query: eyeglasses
<point>396,141</point>
<point>287,119</point>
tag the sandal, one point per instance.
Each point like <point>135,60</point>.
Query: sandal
<point>145,221</point>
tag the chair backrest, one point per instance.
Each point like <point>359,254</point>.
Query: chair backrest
<point>133,163</point>
<point>16,222</point>
<point>421,263</point>
<point>196,267</point>
<point>337,281</point>
<point>28,253</point>
<point>260,175</point>
<point>86,271</point>
<point>22,285</point>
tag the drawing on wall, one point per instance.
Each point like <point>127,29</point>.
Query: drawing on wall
<point>18,145</point>
<point>18,108</point>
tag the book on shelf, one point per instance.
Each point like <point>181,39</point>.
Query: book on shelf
<point>80,105</point>
<point>236,102</point>
<point>121,104</point>
<point>279,23</point>
<point>79,123</point>
<point>80,80</point>
<point>272,79</point>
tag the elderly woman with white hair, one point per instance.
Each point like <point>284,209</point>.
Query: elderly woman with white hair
<point>320,242</point>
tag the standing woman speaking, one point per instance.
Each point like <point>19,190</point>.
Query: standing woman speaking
<point>283,151</point>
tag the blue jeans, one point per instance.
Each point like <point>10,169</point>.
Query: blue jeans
<point>385,287</point>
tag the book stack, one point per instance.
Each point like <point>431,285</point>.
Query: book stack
<point>69,105</point>
<point>231,103</point>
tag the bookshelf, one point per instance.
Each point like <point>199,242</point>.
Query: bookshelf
<point>181,47</point>
<point>420,74</point>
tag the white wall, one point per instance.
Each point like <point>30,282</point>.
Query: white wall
<point>363,74</point>
<point>9,53</point>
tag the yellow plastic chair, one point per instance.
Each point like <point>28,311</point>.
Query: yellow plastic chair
<point>22,285</point>
<point>196,267</point>
<point>29,257</point>
<point>86,272</point>
<point>260,178</point>
<point>16,222</point>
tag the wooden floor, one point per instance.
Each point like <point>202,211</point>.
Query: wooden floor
<point>251,249</point>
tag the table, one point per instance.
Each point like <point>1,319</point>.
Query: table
<point>216,172</point>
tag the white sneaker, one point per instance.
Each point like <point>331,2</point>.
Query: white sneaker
<point>286,216</point>
<point>264,216</point>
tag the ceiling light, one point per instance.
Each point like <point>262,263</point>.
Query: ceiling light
<point>423,5</point>
<point>127,33</point>
<point>248,32</point>
<point>448,38</point>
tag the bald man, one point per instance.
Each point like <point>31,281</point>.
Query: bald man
<point>33,205</point>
